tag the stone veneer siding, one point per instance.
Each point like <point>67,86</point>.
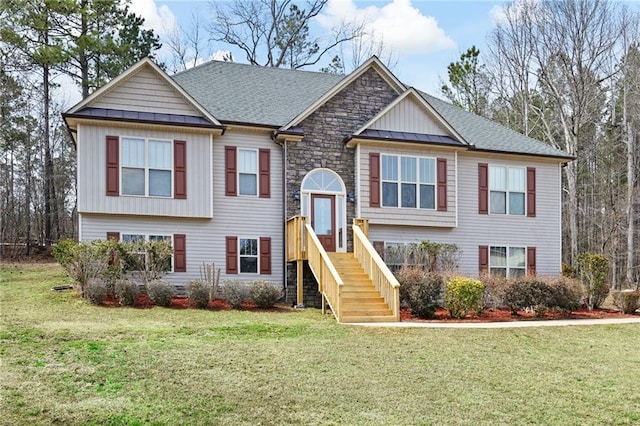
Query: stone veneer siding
<point>323,146</point>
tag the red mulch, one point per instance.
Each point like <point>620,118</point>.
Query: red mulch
<point>502,315</point>
<point>179,302</point>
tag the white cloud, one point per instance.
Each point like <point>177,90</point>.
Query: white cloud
<point>398,24</point>
<point>160,19</point>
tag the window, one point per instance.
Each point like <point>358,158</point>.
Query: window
<point>146,167</point>
<point>507,190</point>
<point>135,238</point>
<point>507,261</point>
<point>408,182</point>
<point>248,255</point>
<point>247,172</point>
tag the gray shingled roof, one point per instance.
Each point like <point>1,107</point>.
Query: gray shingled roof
<point>488,135</point>
<point>251,94</point>
<point>244,93</point>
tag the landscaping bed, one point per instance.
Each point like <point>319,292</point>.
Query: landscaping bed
<point>505,315</point>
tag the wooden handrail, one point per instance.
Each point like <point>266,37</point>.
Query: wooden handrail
<point>328,278</point>
<point>383,279</point>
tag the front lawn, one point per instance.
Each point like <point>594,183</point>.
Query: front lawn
<point>67,362</point>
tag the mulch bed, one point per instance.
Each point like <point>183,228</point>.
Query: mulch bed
<point>143,302</point>
<point>503,315</point>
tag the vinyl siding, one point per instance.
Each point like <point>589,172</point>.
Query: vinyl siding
<point>241,216</point>
<point>409,116</point>
<point>542,231</point>
<point>92,172</point>
<point>205,242</point>
<point>406,216</point>
<point>145,91</point>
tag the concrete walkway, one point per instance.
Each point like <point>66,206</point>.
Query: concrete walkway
<point>505,324</point>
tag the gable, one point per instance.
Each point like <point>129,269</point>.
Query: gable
<point>409,116</point>
<point>145,91</point>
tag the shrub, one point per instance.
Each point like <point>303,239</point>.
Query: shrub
<point>198,293</point>
<point>494,289</point>
<point>593,269</point>
<point>263,293</point>
<point>566,294</point>
<point>528,292</point>
<point>463,295</point>
<point>627,301</point>
<point>235,292</point>
<point>539,294</point>
<point>160,292</point>
<point>424,295</point>
<point>95,291</point>
<point>408,276</point>
<point>126,291</point>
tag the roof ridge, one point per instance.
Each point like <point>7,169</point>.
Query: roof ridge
<point>262,67</point>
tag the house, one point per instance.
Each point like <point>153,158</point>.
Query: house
<point>262,171</point>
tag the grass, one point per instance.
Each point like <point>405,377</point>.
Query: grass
<point>65,361</point>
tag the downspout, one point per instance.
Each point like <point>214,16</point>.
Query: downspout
<point>284,224</point>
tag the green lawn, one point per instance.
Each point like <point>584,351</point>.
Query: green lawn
<point>67,362</point>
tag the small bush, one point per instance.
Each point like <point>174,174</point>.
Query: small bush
<point>235,292</point>
<point>463,295</point>
<point>263,293</point>
<point>198,293</point>
<point>126,291</point>
<point>566,294</point>
<point>494,289</point>
<point>627,301</point>
<point>528,292</point>
<point>593,270</point>
<point>96,291</point>
<point>424,295</point>
<point>160,292</point>
<point>408,276</point>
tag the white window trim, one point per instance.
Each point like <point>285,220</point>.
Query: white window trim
<point>507,192</point>
<point>507,268</point>
<point>146,168</point>
<point>155,234</point>
<point>417,182</point>
<point>256,173</point>
<point>257,256</point>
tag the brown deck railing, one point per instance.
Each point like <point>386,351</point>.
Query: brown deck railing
<point>328,279</point>
<point>374,266</point>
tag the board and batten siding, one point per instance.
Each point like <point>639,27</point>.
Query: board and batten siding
<point>92,198</point>
<point>542,231</point>
<point>409,116</point>
<point>405,216</point>
<point>238,216</point>
<point>145,91</point>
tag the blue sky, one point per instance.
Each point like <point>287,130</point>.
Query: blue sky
<point>426,35</point>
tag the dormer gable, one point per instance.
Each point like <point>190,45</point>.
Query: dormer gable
<point>143,93</point>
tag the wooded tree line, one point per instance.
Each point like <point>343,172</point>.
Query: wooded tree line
<point>566,72</point>
<point>88,41</point>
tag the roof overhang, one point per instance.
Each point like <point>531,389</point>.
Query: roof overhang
<point>353,141</point>
<point>294,134</point>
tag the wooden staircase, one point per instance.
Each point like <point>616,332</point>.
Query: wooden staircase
<point>361,302</point>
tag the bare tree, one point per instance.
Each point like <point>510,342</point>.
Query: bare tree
<point>189,46</point>
<point>276,33</point>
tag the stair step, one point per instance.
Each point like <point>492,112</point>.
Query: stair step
<point>361,311</point>
<point>363,300</point>
<point>364,307</point>
<point>378,318</point>
<point>348,295</point>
